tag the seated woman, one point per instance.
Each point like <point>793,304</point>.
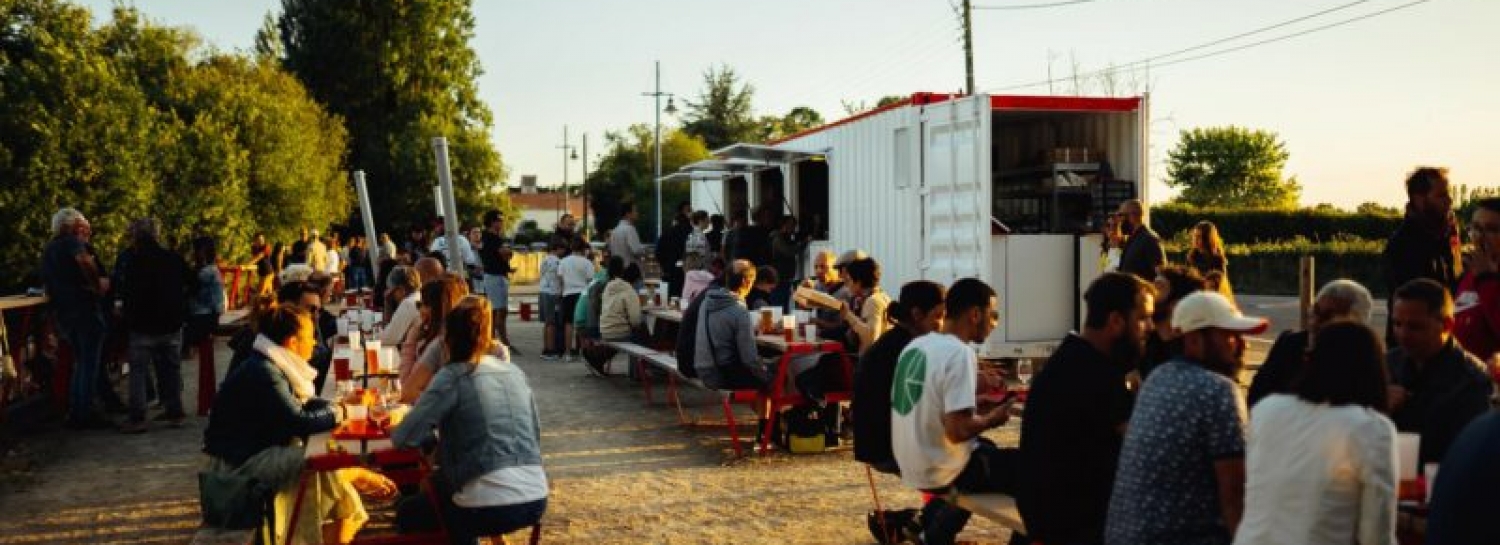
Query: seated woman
<point>490,480</point>
<point>265,409</point>
<point>439,296</point>
<point>620,314</point>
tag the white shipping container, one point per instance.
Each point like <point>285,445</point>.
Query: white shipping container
<point>928,186</point>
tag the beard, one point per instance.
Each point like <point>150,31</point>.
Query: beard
<point>1228,364</point>
<point>1128,350</point>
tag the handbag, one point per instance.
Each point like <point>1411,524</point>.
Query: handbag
<point>231,500</point>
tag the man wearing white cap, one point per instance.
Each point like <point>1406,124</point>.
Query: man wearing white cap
<point>1181,476</point>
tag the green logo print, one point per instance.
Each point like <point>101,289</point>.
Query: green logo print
<point>906,390</point>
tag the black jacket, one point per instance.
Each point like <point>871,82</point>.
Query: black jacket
<point>1417,250</point>
<point>1442,397</point>
<point>156,284</point>
<point>255,410</point>
<point>871,407</point>
<point>1282,366</point>
<point>1143,254</point>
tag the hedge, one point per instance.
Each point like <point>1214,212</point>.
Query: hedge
<point>1272,268</point>
<point>1250,226</point>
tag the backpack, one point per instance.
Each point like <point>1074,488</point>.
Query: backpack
<point>687,336</point>
<point>802,428</point>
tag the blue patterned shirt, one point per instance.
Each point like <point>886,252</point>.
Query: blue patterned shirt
<point>1186,418</point>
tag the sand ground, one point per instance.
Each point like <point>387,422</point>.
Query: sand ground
<point>621,471</point>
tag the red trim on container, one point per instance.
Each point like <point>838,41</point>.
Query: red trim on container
<point>1080,104</point>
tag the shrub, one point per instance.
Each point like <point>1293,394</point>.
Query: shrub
<point>1247,226</point>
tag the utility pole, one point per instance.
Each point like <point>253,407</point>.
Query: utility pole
<point>586,182</point>
<point>657,94</point>
<point>968,47</point>
<point>565,149</point>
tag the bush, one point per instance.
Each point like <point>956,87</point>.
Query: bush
<point>1247,226</point>
<point>1271,268</point>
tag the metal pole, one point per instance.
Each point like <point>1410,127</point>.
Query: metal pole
<point>450,220</point>
<point>968,47</point>
<point>585,182</point>
<point>565,149</point>
<point>658,151</point>
<point>437,199</point>
<point>369,220</point>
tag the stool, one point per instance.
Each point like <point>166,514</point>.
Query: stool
<point>525,311</point>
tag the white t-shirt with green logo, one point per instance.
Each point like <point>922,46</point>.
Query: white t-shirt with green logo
<point>935,375</point>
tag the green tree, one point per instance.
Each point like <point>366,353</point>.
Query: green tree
<point>1231,166</point>
<point>71,133</point>
<point>624,174</point>
<point>722,113</point>
<point>1376,209</point>
<point>796,120</point>
<point>399,73</point>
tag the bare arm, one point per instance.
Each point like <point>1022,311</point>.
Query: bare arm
<point>415,382</point>
<point>967,424</point>
<point>1230,473</point>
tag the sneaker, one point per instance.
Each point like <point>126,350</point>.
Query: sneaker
<point>133,427</point>
<point>567,358</point>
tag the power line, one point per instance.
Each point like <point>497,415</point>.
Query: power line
<point>1036,6</point>
<point>1147,62</point>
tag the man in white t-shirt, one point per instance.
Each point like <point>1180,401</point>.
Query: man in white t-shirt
<point>935,420</point>
<point>576,272</point>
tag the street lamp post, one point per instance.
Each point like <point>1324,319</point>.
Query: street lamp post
<point>585,182</point>
<point>657,94</point>
<point>566,149</point>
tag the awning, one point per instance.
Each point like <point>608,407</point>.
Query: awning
<point>763,154</point>
<point>732,166</point>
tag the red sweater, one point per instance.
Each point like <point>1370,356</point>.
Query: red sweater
<point>1477,314</point>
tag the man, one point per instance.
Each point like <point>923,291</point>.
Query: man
<point>1338,300</point>
<point>1076,415</point>
<point>74,284</point>
<point>299,249</point>
<point>1181,476</point>
<point>566,230</point>
<point>1436,386</point>
<point>317,253</point>
<point>624,241</point>
<point>465,250</point>
<point>1426,243</point>
<point>753,242</point>
<point>387,247</point>
<point>672,246</point>
<point>935,420</point>
<point>1143,253</point>
<point>1468,488</point>
<point>1477,306</point>
<point>155,287</point>
<point>495,255</point>
<point>725,357</point>
<point>429,268</point>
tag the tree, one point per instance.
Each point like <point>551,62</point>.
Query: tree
<point>624,174</point>
<point>796,120</point>
<point>1231,166</point>
<point>1376,209</point>
<point>722,113</point>
<point>400,73</point>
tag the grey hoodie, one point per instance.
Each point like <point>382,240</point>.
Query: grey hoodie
<point>725,319</point>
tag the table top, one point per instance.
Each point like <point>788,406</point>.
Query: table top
<point>14,302</point>
<point>778,342</point>
<point>664,313</point>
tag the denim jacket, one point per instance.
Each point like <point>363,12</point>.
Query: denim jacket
<point>208,298</point>
<point>486,417</point>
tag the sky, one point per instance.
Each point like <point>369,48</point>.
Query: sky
<point>1358,105</point>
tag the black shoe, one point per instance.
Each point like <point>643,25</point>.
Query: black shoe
<point>893,527</point>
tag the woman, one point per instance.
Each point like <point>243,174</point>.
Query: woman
<point>919,312</point>
<point>207,302</point>
<point>1207,255</point>
<point>260,258</point>
<point>869,323</point>
<point>404,329</point>
<point>1320,467</point>
<point>695,252</point>
<point>1163,342</point>
<point>265,409</point>
<point>620,312</point>
<point>490,480</point>
<point>1112,243</point>
<point>438,298</point>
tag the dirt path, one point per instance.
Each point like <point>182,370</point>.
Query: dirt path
<point>621,472</point>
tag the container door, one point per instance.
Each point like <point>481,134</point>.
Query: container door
<point>956,189</point>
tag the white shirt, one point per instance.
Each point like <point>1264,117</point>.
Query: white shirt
<point>405,324</point>
<point>440,245</point>
<point>576,272</point>
<point>504,486</point>
<point>549,282</point>
<point>935,375</point>
<point>1318,474</point>
<point>333,262</point>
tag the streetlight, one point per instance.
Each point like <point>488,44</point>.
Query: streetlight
<point>569,152</point>
<point>671,110</point>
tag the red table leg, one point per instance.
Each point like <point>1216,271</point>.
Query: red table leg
<point>207,376</point>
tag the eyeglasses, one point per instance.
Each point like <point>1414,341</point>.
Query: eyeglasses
<point>1481,229</point>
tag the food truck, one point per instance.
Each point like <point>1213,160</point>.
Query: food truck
<point>1009,189</point>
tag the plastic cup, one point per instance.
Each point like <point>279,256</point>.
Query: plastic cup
<point>1430,472</point>
<point>810,332</point>
<point>372,356</point>
<point>789,325</point>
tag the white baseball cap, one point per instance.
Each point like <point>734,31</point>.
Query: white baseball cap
<point>1207,309</point>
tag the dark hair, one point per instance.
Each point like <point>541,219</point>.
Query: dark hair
<point>1430,293</point>
<point>923,295</point>
<point>718,221</point>
<point>578,245</point>
<point>968,293</point>
<point>1113,293</point>
<point>440,294</point>
<point>1491,204</point>
<point>1346,366</point>
<point>865,271</point>
<point>615,266</point>
<point>632,273</point>
<point>626,209</point>
<point>1182,281</point>
<point>205,251</point>
<point>291,292</point>
<point>699,216</point>
<point>467,330</point>
<point>282,323</point>
<point>1422,179</point>
<point>766,274</point>
<point>492,216</point>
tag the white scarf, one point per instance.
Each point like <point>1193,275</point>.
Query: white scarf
<point>296,369</point>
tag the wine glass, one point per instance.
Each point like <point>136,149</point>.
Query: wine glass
<point>1023,371</point>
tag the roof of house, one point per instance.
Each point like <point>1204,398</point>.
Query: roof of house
<point>546,201</point>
